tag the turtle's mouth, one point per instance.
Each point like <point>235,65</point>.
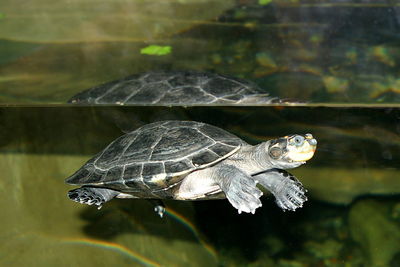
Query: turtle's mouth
<point>301,156</point>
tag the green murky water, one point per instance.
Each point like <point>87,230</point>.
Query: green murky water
<point>352,216</point>
<point>340,57</point>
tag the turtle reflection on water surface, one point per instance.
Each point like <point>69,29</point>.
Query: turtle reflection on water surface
<point>175,88</point>
<point>188,160</point>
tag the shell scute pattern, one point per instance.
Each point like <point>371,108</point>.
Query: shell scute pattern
<point>148,93</point>
<point>94,177</point>
<point>152,169</point>
<point>131,171</point>
<point>204,157</point>
<point>220,149</point>
<point>120,90</point>
<point>155,77</point>
<point>221,87</point>
<point>234,98</point>
<point>80,176</point>
<point>187,95</point>
<point>157,156</point>
<point>173,124</point>
<point>176,167</point>
<point>178,140</point>
<point>134,185</point>
<point>112,175</point>
<point>141,148</point>
<point>184,80</point>
<point>173,87</point>
<point>215,134</point>
<point>110,154</point>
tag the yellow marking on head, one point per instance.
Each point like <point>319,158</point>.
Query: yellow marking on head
<point>301,153</point>
<point>301,156</point>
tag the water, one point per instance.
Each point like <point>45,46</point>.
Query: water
<point>352,182</point>
<point>340,57</point>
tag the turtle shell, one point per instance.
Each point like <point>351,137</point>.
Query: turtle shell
<point>174,87</point>
<point>156,156</point>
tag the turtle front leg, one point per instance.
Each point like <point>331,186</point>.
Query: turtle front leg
<point>288,191</point>
<point>92,195</point>
<point>239,188</point>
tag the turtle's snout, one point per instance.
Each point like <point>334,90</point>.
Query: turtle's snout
<point>311,140</point>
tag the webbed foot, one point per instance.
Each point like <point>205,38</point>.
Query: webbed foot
<point>288,191</point>
<point>92,195</point>
<point>240,189</point>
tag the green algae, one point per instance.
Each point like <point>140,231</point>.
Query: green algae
<point>156,50</point>
<point>264,2</point>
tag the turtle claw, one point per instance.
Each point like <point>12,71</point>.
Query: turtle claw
<point>292,195</point>
<point>291,199</point>
<point>288,191</point>
<point>242,192</point>
<point>84,196</point>
<point>244,201</point>
<point>92,196</point>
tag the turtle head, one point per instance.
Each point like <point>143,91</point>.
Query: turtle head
<point>291,151</point>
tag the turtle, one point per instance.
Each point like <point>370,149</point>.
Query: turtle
<point>175,88</point>
<point>189,160</point>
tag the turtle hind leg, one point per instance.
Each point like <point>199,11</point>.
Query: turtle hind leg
<point>92,195</point>
<point>240,189</point>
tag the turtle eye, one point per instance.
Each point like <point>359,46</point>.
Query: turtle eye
<point>275,152</point>
<point>298,140</point>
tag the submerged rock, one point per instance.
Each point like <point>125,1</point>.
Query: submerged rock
<point>329,249</point>
<point>378,236</point>
<point>342,186</point>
